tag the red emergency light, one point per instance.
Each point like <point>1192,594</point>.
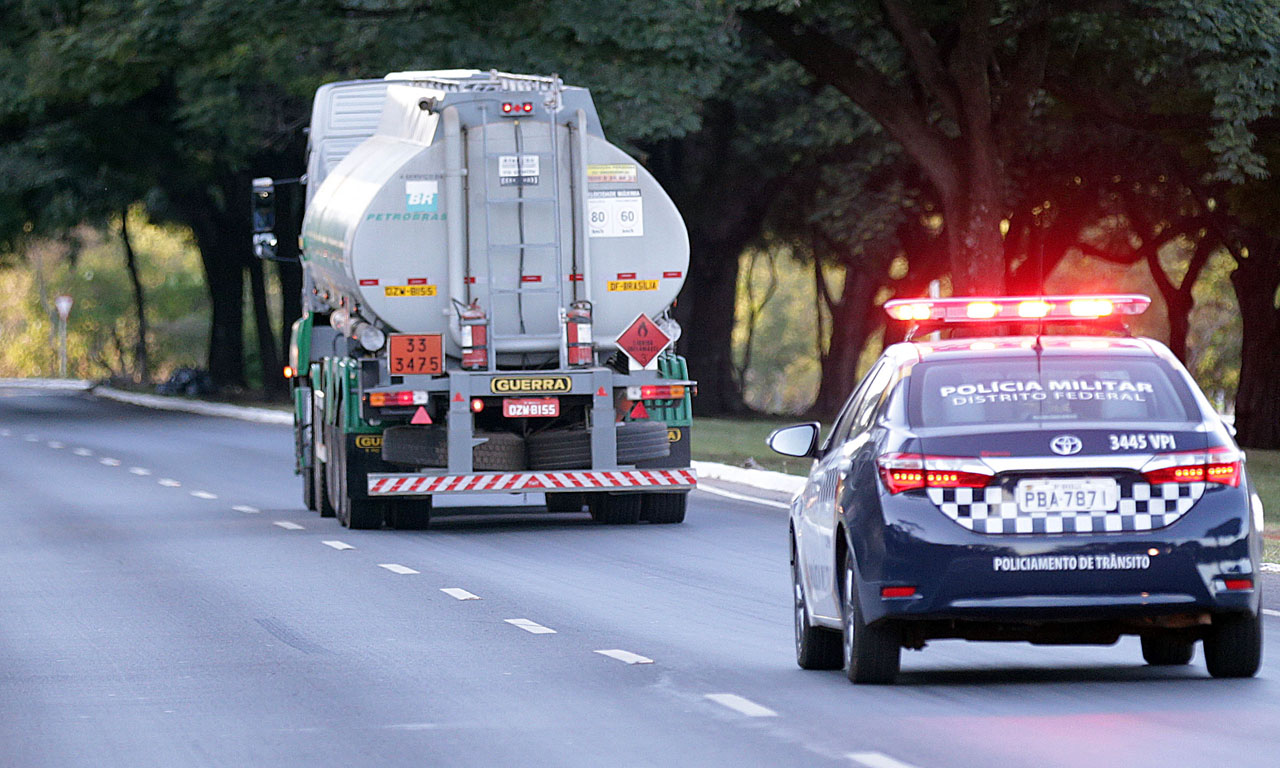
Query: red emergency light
<point>971,309</point>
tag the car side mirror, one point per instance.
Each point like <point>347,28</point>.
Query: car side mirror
<point>800,440</point>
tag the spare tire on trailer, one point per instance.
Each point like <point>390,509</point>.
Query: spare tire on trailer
<point>571,448</point>
<point>416,446</point>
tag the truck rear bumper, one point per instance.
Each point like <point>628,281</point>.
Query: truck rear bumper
<point>413,484</point>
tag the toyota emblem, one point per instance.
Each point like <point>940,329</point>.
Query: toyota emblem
<point>1065,445</point>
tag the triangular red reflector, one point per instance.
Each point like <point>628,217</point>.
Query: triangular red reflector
<point>639,412</point>
<point>458,398</point>
<point>601,393</point>
<point>421,416</point>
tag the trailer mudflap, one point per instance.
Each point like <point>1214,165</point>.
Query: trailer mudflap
<point>411,484</point>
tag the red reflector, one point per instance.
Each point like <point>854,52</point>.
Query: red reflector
<point>531,278</point>
<point>626,275</point>
<point>416,281</point>
<point>897,591</point>
<point>1235,584</point>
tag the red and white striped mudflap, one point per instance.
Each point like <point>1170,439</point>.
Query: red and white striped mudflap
<point>393,484</point>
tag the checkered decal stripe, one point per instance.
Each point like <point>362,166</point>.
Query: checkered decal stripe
<point>392,484</point>
<point>1142,507</point>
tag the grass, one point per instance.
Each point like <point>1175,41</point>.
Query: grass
<point>1264,470</point>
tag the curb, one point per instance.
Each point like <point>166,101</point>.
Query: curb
<point>77,385</point>
<point>165,403</point>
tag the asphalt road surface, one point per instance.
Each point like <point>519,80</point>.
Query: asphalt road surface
<point>166,600</point>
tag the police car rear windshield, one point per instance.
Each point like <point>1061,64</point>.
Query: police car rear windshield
<point>1063,389</point>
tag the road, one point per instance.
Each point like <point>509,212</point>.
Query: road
<point>167,601</point>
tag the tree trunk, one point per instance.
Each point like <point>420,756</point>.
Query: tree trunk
<point>140,363</point>
<point>850,325</point>
<point>1255,281</point>
<point>273,382</point>
<point>223,236</point>
<point>705,311</point>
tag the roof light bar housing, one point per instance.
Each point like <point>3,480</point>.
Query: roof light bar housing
<point>1108,309</point>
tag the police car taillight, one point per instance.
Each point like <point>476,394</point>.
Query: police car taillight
<point>910,471</point>
<point>1008,308</point>
<point>1216,465</point>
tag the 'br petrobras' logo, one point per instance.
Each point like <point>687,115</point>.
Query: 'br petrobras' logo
<point>1065,445</point>
<point>421,196</point>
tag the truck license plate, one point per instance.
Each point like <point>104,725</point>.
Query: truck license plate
<point>415,353</point>
<point>515,408</point>
<point>1086,494</point>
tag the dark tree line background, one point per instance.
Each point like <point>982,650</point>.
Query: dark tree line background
<point>984,141</point>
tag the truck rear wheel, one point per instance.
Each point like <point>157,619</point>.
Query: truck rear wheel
<point>565,502</point>
<point>320,489</point>
<point>571,448</point>
<point>429,447</point>
<point>356,514</point>
<point>614,508</point>
<point>663,508</point>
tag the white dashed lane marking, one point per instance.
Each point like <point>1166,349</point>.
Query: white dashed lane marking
<point>626,657</point>
<point>168,482</point>
<point>55,445</point>
<point>741,705</point>
<point>337,544</point>
<point>82,452</point>
<point>460,594</point>
<point>1270,612</point>
<point>877,760</point>
<point>204,495</point>
<point>742,497</point>
<point>110,462</point>
<point>245,509</point>
<point>532,627</point>
<point>31,438</point>
<point>139,471</point>
<point>288,526</point>
<point>5,433</point>
<point>397,568</point>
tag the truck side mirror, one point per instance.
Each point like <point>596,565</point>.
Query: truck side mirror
<point>264,218</point>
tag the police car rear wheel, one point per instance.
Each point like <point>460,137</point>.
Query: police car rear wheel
<point>1167,650</point>
<point>816,647</point>
<point>872,654</point>
<point>1233,647</point>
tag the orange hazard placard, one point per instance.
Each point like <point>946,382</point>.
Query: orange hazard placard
<point>415,353</point>
<point>643,340</point>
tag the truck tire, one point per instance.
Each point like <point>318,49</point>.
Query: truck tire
<point>566,502</point>
<point>429,447</point>
<point>571,448</point>
<point>663,508</point>
<point>614,508</point>
<point>324,502</point>
<point>408,513</point>
<point>356,514</point>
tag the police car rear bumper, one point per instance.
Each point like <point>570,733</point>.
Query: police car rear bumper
<point>1183,568</point>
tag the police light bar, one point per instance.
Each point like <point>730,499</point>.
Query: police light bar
<point>972,309</point>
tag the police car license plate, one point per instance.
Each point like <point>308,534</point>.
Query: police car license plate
<point>1086,494</point>
<point>516,408</point>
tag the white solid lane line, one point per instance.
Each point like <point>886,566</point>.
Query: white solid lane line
<point>626,657</point>
<point>245,509</point>
<point>397,568</point>
<point>877,760</point>
<point>139,471</point>
<point>82,452</point>
<point>339,545</point>
<point>168,482</point>
<point>31,438</point>
<point>288,526</point>
<point>55,445</point>
<point>1270,612</point>
<point>741,705</point>
<point>742,497</point>
<point>110,462</point>
<point>204,495</point>
<point>532,627</point>
<point>460,594</point>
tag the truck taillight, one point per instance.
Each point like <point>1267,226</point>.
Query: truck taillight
<point>475,337</point>
<point>1217,465</point>
<point>517,108</point>
<point>656,392</point>
<point>578,333</point>
<point>403,397</point>
<point>910,471</point>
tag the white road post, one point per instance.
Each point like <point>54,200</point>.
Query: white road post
<point>63,303</point>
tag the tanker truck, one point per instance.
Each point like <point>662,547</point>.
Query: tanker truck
<point>487,286</point>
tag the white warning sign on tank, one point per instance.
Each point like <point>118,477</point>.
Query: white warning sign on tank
<point>616,213</point>
<point>518,169</point>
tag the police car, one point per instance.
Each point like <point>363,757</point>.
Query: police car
<point>1041,481</point>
